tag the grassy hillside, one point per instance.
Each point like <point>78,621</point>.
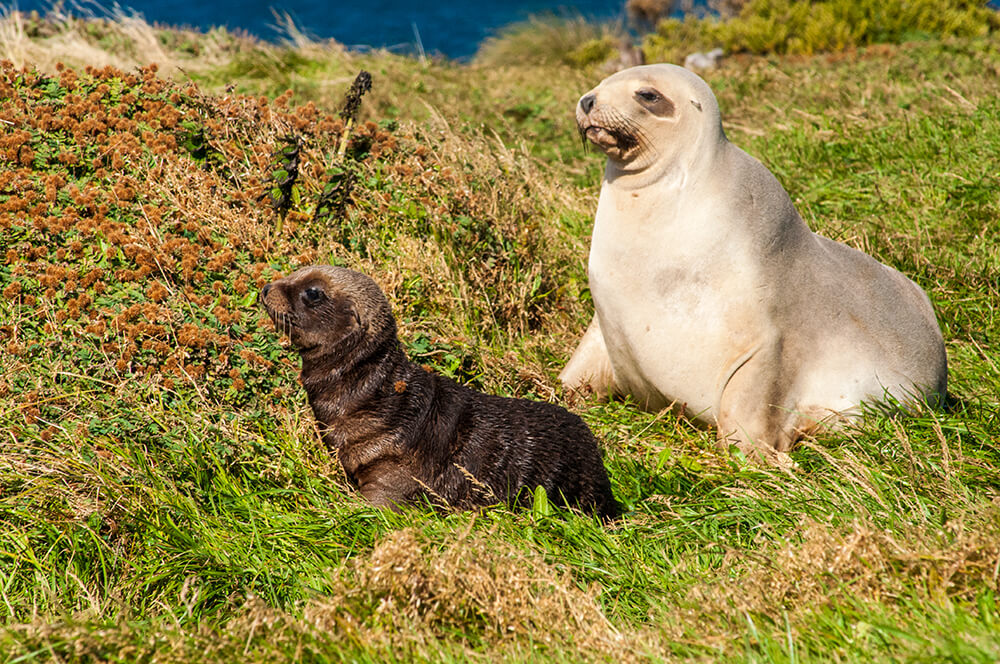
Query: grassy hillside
<point>164,495</point>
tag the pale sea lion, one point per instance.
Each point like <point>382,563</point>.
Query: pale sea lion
<point>405,435</point>
<point>712,295</point>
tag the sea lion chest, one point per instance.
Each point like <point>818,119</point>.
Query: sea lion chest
<point>669,298</point>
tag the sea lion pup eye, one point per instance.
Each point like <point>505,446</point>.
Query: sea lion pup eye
<point>405,435</point>
<point>313,295</point>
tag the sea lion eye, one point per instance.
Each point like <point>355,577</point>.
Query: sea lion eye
<point>648,94</point>
<point>654,102</point>
<point>312,296</point>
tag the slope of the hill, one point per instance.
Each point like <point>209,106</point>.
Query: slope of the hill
<point>163,493</point>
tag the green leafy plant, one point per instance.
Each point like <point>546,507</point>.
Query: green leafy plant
<point>814,26</point>
<point>282,192</point>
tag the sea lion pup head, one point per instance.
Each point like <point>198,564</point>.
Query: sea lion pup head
<point>652,117</point>
<point>329,312</point>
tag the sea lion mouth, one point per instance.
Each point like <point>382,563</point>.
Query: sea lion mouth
<point>611,140</point>
<point>601,137</point>
<point>288,325</point>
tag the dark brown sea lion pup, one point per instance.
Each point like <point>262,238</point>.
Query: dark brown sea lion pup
<point>404,434</point>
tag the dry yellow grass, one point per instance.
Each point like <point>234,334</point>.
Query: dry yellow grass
<point>120,39</point>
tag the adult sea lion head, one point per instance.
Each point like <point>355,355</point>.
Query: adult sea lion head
<point>650,117</point>
<point>329,312</point>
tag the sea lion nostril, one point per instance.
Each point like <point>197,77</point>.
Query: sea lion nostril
<point>264,290</point>
<point>587,102</point>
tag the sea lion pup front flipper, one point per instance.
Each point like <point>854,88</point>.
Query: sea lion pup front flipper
<point>404,435</point>
<point>712,291</point>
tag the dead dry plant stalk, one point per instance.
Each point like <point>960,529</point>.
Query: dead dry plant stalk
<point>14,42</point>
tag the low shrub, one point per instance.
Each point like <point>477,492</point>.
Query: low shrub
<point>809,26</point>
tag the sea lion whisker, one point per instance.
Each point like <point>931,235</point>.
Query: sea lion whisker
<point>642,137</point>
<point>636,129</point>
<point>287,322</point>
<point>648,145</point>
<point>621,128</point>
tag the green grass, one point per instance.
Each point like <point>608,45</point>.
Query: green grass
<point>164,495</point>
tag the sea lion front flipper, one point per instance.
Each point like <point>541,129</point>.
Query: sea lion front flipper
<point>388,482</point>
<point>589,369</point>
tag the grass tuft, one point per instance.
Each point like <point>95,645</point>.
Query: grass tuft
<point>552,40</point>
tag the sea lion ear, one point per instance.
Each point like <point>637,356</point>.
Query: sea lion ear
<point>696,104</point>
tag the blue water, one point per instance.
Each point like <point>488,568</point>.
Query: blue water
<point>448,27</point>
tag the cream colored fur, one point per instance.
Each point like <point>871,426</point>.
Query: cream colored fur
<point>713,296</point>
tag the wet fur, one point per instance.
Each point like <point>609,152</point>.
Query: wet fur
<point>405,435</point>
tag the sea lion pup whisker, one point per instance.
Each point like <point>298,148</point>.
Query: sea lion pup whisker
<point>405,435</point>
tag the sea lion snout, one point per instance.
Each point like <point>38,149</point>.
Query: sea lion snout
<point>274,300</point>
<point>584,107</point>
<point>279,310</point>
<point>607,127</point>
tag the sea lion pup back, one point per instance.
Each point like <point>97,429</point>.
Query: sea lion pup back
<point>404,434</point>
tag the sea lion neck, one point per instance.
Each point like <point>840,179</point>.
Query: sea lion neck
<point>337,390</point>
<point>665,174</point>
<point>352,358</point>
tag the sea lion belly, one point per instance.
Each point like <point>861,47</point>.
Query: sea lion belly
<point>665,298</point>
